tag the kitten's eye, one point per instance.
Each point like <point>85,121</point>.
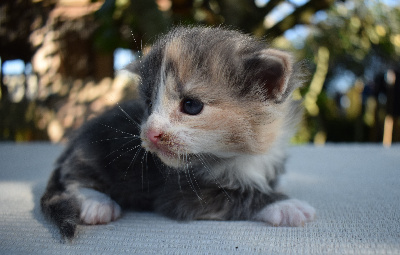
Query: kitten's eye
<point>192,106</point>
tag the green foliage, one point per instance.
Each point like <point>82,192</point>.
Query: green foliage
<point>357,33</point>
<point>126,23</point>
<point>363,39</point>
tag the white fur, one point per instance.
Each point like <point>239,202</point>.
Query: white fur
<point>97,208</point>
<point>292,213</point>
<point>251,171</point>
<point>158,103</point>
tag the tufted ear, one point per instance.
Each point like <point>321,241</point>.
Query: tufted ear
<point>132,71</point>
<point>270,71</point>
<point>132,68</point>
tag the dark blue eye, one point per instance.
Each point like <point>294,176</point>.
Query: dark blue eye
<point>192,106</point>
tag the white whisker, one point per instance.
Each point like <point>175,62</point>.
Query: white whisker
<point>144,165</point>
<point>129,117</point>
<point>186,170</point>
<point>116,138</point>
<point>117,130</point>
<point>121,147</point>
<point>209,171</point>
<point>179,181</point>
<point>122,154</point>
<point>133,160</point>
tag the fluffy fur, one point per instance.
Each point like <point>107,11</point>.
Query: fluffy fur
<point>206,140</point>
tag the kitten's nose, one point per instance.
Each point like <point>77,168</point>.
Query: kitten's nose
<point>154,135</point>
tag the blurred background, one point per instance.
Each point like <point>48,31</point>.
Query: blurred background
<point>60,59</point>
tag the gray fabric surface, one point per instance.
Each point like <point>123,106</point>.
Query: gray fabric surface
<point>355,189</point>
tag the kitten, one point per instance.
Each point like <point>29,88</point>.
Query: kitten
<point>206,140</point>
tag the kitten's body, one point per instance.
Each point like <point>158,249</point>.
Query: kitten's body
<point>205,141</point>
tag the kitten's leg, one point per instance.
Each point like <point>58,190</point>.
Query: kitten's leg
<point>216,204</point>
<point>97,207</point>
<point>59,206</point>
<point>291,212</point>
<point>69,205</point>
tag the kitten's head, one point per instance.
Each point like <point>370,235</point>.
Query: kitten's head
<point>213,91</point>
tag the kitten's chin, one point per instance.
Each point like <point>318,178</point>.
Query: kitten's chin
<point>171,161</point>
<point>169,158</point>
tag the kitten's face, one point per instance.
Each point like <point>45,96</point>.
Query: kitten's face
<point>209,91</point>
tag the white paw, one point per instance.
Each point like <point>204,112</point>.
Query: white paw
<point>292,212</point>
<point>97,208</point>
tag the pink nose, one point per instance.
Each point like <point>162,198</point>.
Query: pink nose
<point>154,135</point>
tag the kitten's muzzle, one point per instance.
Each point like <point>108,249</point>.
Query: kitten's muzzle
<point>155,136</point>
<point>165,145</point>
<point>161,142</point>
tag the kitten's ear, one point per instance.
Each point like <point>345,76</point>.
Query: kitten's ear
<point>133,68</point>
<point>270,70</point>
<point>132,71</point>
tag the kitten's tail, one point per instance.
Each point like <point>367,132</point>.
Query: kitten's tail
<point>60,207</point>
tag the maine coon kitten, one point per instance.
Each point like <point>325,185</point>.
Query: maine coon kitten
<point>206,140</point>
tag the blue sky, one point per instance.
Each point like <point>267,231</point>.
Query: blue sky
<point>122,57</point>
<point>13,67</point>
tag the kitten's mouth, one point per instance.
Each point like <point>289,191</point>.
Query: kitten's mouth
<point>169,158</point>
<point>166,155</point>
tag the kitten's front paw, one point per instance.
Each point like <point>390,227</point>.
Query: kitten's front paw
<point>292,212</point>
<point>99,209</point>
